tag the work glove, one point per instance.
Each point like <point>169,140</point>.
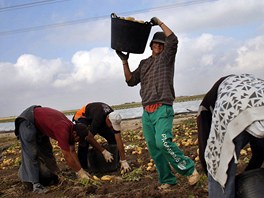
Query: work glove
<point>122,56</point>
<point>108,156</point>
<point>83,174</point>
<point>124,166</point>
<point>155,21</point>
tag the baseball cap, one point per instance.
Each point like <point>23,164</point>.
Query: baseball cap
<point>158,37</point>
<point>115,119</point>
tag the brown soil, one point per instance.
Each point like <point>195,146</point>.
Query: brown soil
<point>140,183</point>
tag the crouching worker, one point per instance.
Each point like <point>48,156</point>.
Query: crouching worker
<point>33,128</point>
<point>104,121</point>
<point>230,116</point>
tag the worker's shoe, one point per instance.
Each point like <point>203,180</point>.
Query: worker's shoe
<point>28,186</point>
<point>194,178</point>
<point>38,188</point>
<point>165,187</point>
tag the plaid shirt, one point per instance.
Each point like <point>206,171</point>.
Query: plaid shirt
<point>156,75</point>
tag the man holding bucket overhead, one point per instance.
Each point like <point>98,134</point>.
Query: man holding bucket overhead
<point>155,74</point>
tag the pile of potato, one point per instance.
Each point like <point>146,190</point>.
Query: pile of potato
<point>132,19</point>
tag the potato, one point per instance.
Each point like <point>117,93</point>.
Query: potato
<point>149,168</point>
<point>96,178</point>
<point>106,178</point>
<point>130,18</point>
<point>150,164</point>
<point>197,158</point>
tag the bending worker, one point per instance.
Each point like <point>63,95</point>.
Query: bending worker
<point>230,116</point>
<point>33,128</point>
<point>102,120</point>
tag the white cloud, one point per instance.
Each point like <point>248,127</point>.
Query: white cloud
<point>250,57</point>
<point>97,75</point>
<point>92,66</point>
<point>7,76</point>
<point>197,70</point>
<point>32,69</point>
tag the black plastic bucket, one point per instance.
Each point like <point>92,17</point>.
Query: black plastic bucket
<point>250,184</point>
<point>97,163</point>
<point>129,36</point>
<point>46,176</point>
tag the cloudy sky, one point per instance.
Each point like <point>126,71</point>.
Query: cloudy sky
<point>58,53</point>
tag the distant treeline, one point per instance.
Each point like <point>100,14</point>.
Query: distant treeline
<point>116,107</point>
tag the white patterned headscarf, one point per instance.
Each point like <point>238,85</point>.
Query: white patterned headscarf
<point>240,103</point>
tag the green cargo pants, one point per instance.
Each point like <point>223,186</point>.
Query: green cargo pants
<point>157,129</point>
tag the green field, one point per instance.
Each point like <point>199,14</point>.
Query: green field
<point>116,107</point>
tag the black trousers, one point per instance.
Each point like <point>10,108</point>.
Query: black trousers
<point>105,132</point>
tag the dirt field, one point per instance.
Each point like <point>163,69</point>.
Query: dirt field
<point>140,183</point>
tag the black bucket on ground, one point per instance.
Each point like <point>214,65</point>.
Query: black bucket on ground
<point>97,163</point>
<point>250,184</point>
<point>129,36</point>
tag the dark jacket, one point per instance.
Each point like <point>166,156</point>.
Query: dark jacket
<point>27,114</point>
